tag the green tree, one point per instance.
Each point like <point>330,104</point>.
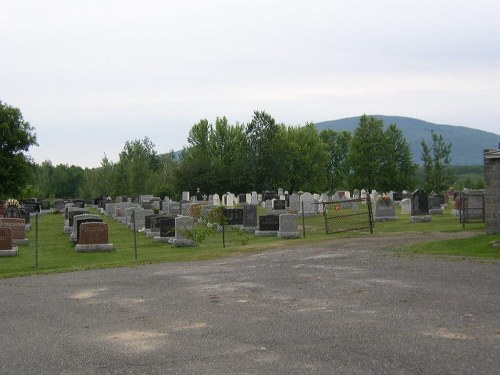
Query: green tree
<point>305,156</point>
<point>397,169</point>
<point>137,162</point>
<point>16,137</point>
<point>379,159</point>
<point>337,166</point>
<point>436,158</point>
<point>263,142</point>
<point>366,153</point>
<point>66,181</point>
<point>195,169</point>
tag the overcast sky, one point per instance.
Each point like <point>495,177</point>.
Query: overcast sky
<point>90,75</point>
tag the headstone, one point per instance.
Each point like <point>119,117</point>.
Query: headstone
<point>288,226</point>
<point>269,225</point>
<point>279,205</point>
<point>435,204</point>
<point>79,220</point>
<point>242,198</point>
<point>255,197</point>
<point>45,205</point>
<point>234,216</point>
<point>32,206</point>
<point>356,194</point>
<point>59,205</point>
<point>419,207</point>
<point>140,219</point>
<point>406,206</point>
<point>250,218</point>
<point>294,201</point>
<point>397,196</point>
<point>80,203</point>
<point>216,200</point>
<point>230,200</point>
<point>184,227</point>
<point>185,196</point>
<point>94,237</point>
<point>385,210</point>
<point>17,228</point>
<point>167,229</point>
<point>307,204</point>
<point>6,244</point>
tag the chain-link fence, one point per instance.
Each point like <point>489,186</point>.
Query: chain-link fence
<point>78,237</point>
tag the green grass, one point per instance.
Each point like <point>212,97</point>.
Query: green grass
<point>56,253</point>
<point>477,246</point>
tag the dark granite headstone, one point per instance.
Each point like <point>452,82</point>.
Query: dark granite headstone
<point>278,204</point>
<point>234,216</point>
<point>80,203</point>
<point>250,215</point>
<point>242,198</point>
<point>167,226</point>
<point>269,223</point>
<point>397,196</point>
<point>148,221</point>
<point>31,206</point>
<point>419,203</point>
<point>73,213</point>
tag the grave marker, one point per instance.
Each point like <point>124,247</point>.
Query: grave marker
<point>93,237</point>
<point>6,244</point>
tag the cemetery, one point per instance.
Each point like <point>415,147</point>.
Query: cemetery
<point>149,229</point>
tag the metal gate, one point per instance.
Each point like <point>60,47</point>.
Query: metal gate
<point>471,207</point>
<point>348,215</point>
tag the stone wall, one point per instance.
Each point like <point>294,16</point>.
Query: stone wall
<point>492,190</point>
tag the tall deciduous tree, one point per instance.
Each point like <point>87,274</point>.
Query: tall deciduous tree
<point>16,137</point>
<point>304,158</point>
<point>397,171</point>
<point>262,140</point>
<point>436,158</point>
<point>337,167</point>
<point>137,161</point>
<point>366,153</point>
<point>379,159</point>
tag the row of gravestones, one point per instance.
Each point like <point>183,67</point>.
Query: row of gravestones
<point>419,206</point>
<point>88,232</point>
<point>177,226</point>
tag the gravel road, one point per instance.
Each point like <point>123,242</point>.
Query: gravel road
<point>347,306</point>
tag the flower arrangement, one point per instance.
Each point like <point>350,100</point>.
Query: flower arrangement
<point>12,202</point>
<point>384,199</point>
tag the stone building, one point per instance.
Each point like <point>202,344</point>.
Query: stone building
<point>492,190</point>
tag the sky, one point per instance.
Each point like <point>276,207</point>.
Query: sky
<point>90,75</point>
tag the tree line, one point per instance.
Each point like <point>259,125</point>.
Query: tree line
<point>220,157</point>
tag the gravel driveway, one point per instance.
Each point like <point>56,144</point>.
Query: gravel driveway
<point>348,306</point>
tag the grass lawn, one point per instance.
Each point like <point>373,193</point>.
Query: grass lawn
<point>56,253</point>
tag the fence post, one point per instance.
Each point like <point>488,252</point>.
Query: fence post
<point>303,221</point>
<point>370,213</point>
<point>135,234</point>
<point>36,240</point>
<point>223,236</point>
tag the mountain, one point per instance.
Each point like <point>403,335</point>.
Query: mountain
<point>467,144</point>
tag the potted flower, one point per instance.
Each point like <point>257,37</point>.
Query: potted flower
<point>385,200</point>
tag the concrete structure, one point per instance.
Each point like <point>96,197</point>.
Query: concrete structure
<point>492,190</point>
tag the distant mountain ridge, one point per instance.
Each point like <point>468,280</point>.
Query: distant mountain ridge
<point>468,144</point>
